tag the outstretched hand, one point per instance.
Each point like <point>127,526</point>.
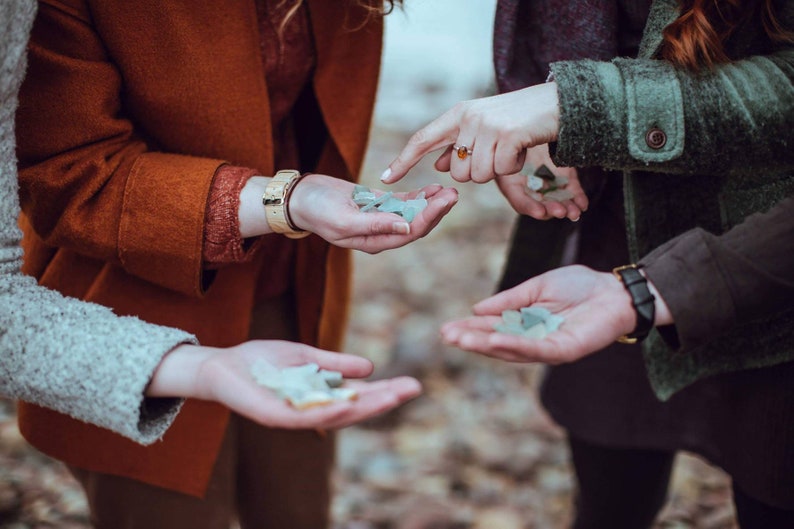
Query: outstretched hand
<point>514,188</point>
<point>596,307</point>
<point>324,205</point>
<point>495,133</point>
<point>224,376</point>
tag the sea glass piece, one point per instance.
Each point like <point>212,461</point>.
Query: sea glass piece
<point>509,328</point>
<point>302,386</point>
<point>332,378</point>
<point>529,322</point>
<point>391,205</point>
<point>378,201</point>
<point>366,200</point>
<point>558,195</point>
<point>511,316</point>
<point>553,322</point>
<point>543,185</point>
<point>537,332</point>
<point>362,199</point>
<point>545,173</point>
<point>535,183</point>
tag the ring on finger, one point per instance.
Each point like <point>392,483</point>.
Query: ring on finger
<point>462,151</point>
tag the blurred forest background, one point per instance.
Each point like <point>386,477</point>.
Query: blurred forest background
<point>476,451</point>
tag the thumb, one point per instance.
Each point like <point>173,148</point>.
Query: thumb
<point>522,295</point>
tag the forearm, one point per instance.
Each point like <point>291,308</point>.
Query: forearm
<point>178,372</point>
<point>251,214</point>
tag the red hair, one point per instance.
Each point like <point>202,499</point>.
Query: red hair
<point>697,37</point>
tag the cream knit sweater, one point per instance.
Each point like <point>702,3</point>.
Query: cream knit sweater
<point>74,357</point>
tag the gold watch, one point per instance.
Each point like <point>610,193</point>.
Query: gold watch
<point>276,201</point>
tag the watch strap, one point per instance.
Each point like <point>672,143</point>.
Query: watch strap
<point>641,299</point>
<point>276,202</point>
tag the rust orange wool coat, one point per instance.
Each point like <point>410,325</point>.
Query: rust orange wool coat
<point>127,111</point>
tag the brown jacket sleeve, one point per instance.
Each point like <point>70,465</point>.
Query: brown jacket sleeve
<point>710,282</point>
<point>90,181</point>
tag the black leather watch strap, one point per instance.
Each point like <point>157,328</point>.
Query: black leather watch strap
<point>641,298</point>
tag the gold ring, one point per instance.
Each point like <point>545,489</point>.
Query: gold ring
<point>462,151</point>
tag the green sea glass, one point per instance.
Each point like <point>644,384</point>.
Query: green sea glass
<point>367,200</point>
<point>302,386</point>
<point>529,322</point>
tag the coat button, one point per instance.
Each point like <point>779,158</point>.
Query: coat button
<point>655,138</point>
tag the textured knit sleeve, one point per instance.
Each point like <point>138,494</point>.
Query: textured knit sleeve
<point>223,243</point>
<point>712,283</point>
<point>74,357</point>
<point>737,115</point>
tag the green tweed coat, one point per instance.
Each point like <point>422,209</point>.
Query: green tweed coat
<point>697,149</point>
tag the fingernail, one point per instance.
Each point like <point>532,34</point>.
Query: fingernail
<point>386,174</point>
<point>576,219</point>
<point>401,227</point>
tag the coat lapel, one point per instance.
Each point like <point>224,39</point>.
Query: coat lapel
<point>663,13</point>
<point>348,45</point>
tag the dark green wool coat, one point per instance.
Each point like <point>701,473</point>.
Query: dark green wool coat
<point>727,152</point>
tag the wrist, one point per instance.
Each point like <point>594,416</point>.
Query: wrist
<point>300,209</point>
<point>551,101</point>
<point>251,217</point>
<point>177,373</point>
<point>663,314</point>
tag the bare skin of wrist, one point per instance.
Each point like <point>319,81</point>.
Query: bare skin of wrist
<point>178,371</point>
<point>251,213</point>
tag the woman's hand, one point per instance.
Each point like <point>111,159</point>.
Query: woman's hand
<point>324,205</point>
<point>514,188</point>
<point>497,131</point>
<point>224,376</point>
<point>596,307</point>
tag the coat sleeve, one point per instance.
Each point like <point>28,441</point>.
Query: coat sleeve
<point>737,115</point>
<point>79,358</point>
<point>74,357</point>
<point>89,180</point>
<point>712,283</point>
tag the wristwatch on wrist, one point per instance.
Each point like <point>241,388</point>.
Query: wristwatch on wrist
<point>641,299</point>
<point>276,201</point>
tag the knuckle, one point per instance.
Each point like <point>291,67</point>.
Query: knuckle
<point>480,177</point>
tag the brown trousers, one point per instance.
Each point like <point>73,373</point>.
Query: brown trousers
<point>265,478</point>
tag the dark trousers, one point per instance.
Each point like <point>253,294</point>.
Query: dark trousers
<point>626,489</point>
<point>263,478</point>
